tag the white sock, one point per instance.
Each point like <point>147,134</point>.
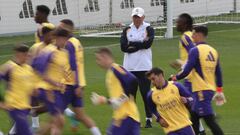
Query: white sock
<point>95,131</point>
<point>13,129</point>
<point>149,119</point>
<point>69,112</point>
<point>201,128</point>
<point>35,122</point>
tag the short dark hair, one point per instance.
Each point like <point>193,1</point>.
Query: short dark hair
<point>188,20</point>
<point>46,30</point>
<point>155,71</point>
<point>68,22</point>
<point>60,32</point>
<point>43,9</point>
<point>21,48</point>
<point>104,50</point>
<point>201,29</point>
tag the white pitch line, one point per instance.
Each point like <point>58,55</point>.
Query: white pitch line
<point>113,45</point>
<point>96,47</point>
<point>86,48</point>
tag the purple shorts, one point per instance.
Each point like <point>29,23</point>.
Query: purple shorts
<point>202,102</point>
<point>184,131</point>
<point>71,98</point>
<point>54,107</point>
<point>128,126</point>
<point>20,117</point>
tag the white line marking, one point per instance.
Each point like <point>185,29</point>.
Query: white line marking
<point>96,47</point>
<point>113,45</point>
<point>86,48</point>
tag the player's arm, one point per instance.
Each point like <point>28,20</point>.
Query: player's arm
<point>152,106</point>
<point>125,46</point>
<point>73,62</point>
<point>153,109</point>
<point>191,62</point>
<point>218,74</point>
<point>147,43</point>
<point>186,97</point>
<point>114,102</point>
<point>219,96</point>
<point>4,75</point>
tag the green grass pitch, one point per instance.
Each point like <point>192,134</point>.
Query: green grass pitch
<point>225,38</point>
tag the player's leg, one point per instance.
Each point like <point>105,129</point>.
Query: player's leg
<point>35,118</point>
<point>72,119</point>
<point>144,85</point>
<point>208,113</point>
<point>68,97</point>
<point>188,86</point>
<point>134,91</point>
<point>201,128</point>
<point>86,120</point>
<point>195,120</point>
<point>13,130</point>
<point>77,103</point>
<point>57,113</point>
<point>21,121</point>
<point>53,100</point>
<point>212,124</point>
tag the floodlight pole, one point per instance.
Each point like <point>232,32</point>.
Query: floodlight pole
<point>169,33</point>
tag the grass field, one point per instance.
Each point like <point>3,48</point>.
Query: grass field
<point>225,38</point>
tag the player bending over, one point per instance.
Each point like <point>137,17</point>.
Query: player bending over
<point>168,101</point>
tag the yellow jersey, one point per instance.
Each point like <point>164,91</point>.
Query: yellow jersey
<point>35,49</point>
<point>75,74</point>
<point>20,84</point>
<point>34,52</point>
<point>166,103</point>
<point>204,63</point>
<point>52,62</point>
<point>118,82</point>
<point>185,44</point>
